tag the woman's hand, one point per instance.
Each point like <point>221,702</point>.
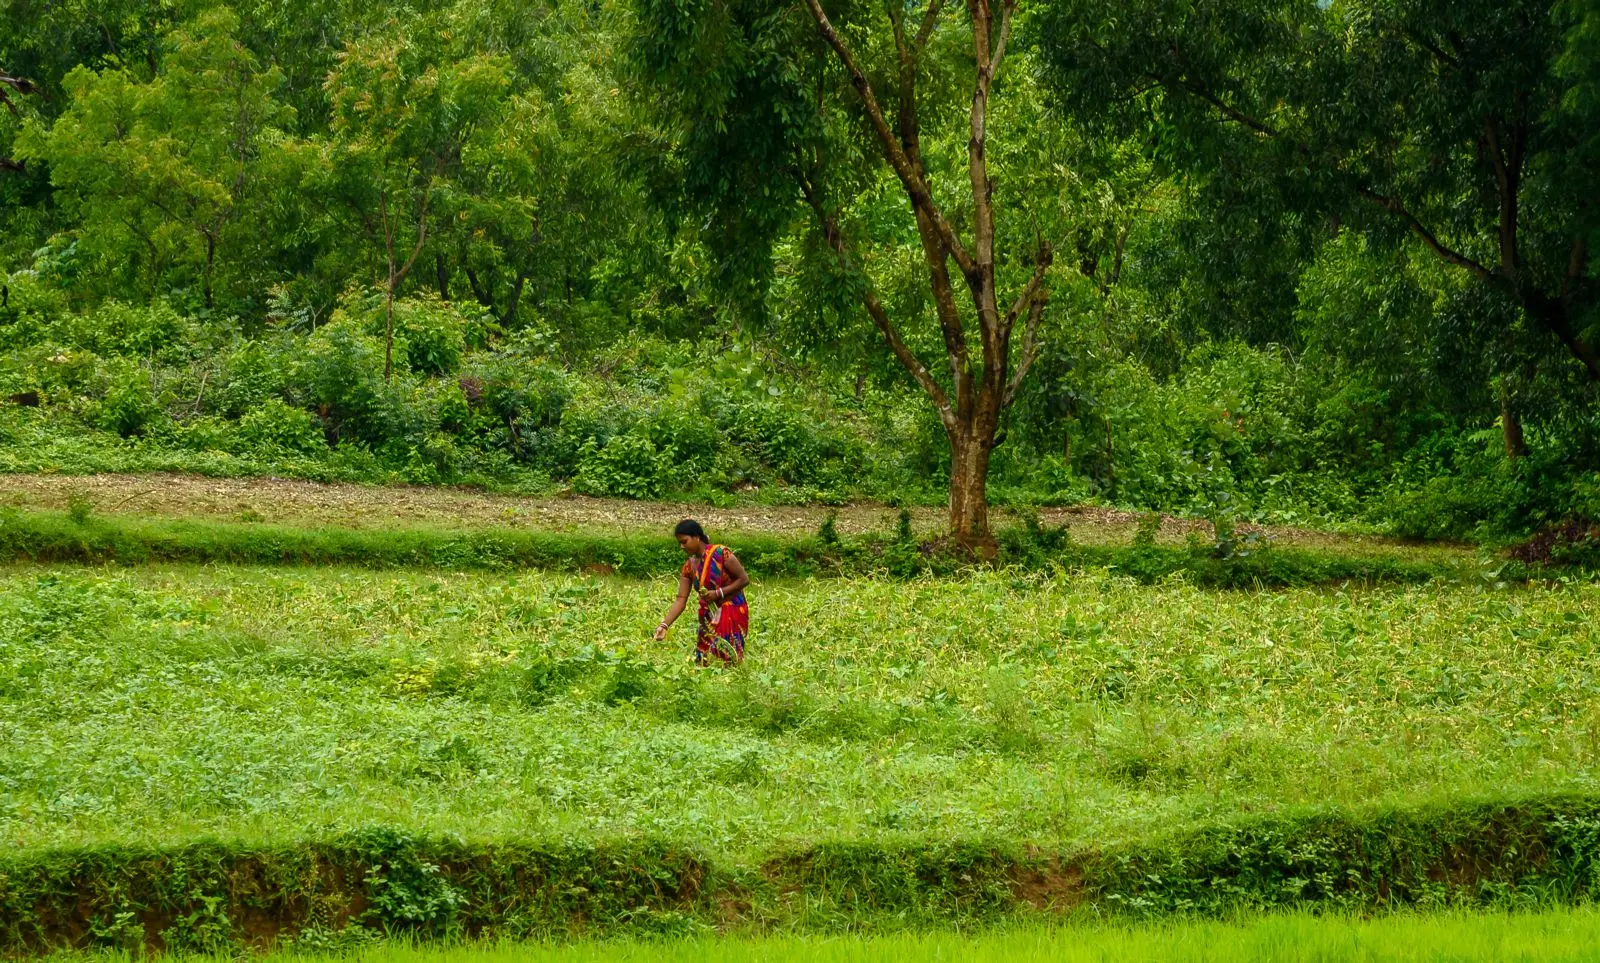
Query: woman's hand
<point>712,596</point>
<point>661,632</point>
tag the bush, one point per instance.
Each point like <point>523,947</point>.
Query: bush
<point>628,465</point>
<point>273,427</point>
<point>128,404</point>
<point>340,375</point>
<point>252,373</point>
<point>433,335</point>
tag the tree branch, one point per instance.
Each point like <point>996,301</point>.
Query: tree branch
<point>1007,8</point>
<point>880,317</point>
<point>1394,207</point>
<point>1042,260</point>
<point>1432,48</point>
<point>1507,175</point>
<point>1232,113</point>
<point>955,339</point>
<point>915,186</point>
<point>422,236</point>
<point>1575,265</point>
<point>1030,349</point>
<point>930,20</point>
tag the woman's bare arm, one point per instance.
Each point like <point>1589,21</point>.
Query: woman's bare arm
<point>684,583</point>
<point>740,578</point>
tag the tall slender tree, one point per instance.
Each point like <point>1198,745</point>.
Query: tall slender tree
<point>814,105</point>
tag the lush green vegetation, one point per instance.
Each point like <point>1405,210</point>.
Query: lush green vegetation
<point>1555,937</point>
<point>220,754</point>
<point>1333,265</point>
<point>158,704</point>
<point>592,246</point>
<point>189,749</point>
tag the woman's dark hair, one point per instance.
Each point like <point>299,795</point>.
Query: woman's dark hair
<point>692,528</point>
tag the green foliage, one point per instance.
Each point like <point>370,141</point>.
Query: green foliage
<point>503,754</point>
<point>627,465</point>
<point>273,426</point>
<point>1237,313</point>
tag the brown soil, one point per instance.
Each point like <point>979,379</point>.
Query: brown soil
<point>360,506</point>
<point>1548,546</point>
<point>1053,886</point>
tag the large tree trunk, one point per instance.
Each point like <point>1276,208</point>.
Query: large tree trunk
<point>969,492</point>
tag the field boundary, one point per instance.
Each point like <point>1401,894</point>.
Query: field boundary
<point>211,894</point>
<point>48,536</point>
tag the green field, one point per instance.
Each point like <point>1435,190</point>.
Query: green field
<point>1553,937</point>
<point>162,703</point>
<point>361,738</point>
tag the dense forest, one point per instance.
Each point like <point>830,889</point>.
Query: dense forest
<point>1288,260</point>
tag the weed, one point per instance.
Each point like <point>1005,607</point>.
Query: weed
<point>1149,527</point>
<point>80,507</point>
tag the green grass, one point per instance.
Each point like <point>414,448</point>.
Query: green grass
<point>184,749</point>
<point>1546,937</point>
<point>166,703</point>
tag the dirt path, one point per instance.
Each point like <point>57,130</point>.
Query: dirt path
<point>362,506</point>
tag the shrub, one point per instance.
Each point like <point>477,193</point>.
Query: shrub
<point>273,426</point>
<point>252,373</point>
<point>340,375</point>
<point>433,334</point>
<point>128,404</point>
<point>628,465</point>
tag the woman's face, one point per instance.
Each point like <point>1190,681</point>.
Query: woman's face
<point>690,545</point>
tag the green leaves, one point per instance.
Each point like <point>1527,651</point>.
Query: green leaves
<point>164,174</point>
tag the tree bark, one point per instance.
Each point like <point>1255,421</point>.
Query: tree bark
<point>211,258</point>
<point>969,495</point>
<point>1511,426</point>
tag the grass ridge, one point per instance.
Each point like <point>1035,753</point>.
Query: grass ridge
<point>213,894</point>
<point>46,536</point>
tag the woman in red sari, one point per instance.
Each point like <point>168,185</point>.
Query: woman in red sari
<point>713,572</point>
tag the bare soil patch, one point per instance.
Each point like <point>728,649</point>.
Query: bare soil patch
<point>296,502</point>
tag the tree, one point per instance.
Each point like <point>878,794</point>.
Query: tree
<point>166,165</point>
<point>780,105</point>
<point>402,109</point>
<point>1398,117</point>
<point>13,89</point>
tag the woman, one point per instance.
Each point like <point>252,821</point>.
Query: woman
<point>714,572</point>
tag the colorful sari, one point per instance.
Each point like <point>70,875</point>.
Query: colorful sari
<point>722,625</point>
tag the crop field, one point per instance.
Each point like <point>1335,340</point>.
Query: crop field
<point>1550,937</point>
<point>189,750</point>
<point>163,703</point>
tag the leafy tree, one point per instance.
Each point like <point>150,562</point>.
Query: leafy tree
<point>167,166</point>
<point>841,110</point>
<point>1398,117</point>
<point>13,89</point>
<point>403,112</point>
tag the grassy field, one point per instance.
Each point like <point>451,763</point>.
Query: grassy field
<point>1549,937</point>
<point>162,703</point>
<point>202,755</point>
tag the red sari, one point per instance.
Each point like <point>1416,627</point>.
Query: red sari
<point>722,625</point>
